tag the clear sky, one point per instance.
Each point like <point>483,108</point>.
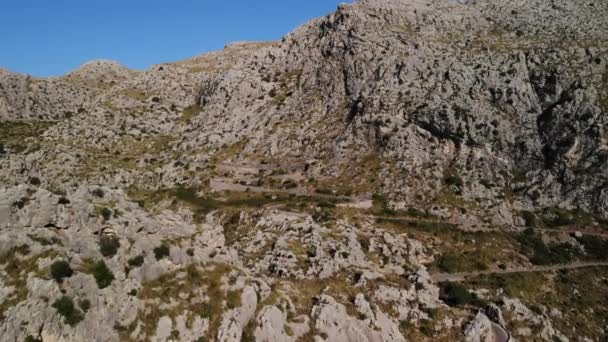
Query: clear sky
<point>52,37</point>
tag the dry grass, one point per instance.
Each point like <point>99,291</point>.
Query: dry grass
<point>17,265</point>
<point>179,293</point>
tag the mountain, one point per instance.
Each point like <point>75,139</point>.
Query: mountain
<point>396,170</point>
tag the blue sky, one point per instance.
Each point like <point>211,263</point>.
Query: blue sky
<point>52,37</point>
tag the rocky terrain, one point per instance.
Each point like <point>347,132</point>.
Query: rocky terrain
<point>398,170</point>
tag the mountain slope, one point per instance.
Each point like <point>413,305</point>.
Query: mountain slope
<point>313,188</point>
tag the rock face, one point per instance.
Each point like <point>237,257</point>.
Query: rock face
<point>479,330</point>
<point>309,189</point>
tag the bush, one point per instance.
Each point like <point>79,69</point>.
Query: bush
<point>529,218</point>
<point>98,193</point>
<point>556,217</point>
<point>84,304</point>
<point>136,261</point>
<point>65,307</point>
<point>595,247</point>
<point>106,213</point>
<point>63,201</point>
<point>454,180</point>
<point>103,275</point>
<point>61,270</point>
<point>540,253</point>
<point>456,295</point>
<point>161,251</point>
<point>108,245</point>
<point>31,338</point>
<point>35,181</point>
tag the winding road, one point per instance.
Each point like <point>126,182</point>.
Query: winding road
<point>500,334</point>
<point>456,277</point>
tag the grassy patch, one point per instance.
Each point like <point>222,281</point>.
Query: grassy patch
<point>581,296</point>
<point>539,253</point>
<point>454,262</point>
<point>190,112</point>
<point>136,94</point>
<point>14,134</point>
<point>357,177</point>
<point>18,264</point>
<point>181,288</point>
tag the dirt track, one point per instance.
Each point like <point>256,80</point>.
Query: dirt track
<point>455,277</point>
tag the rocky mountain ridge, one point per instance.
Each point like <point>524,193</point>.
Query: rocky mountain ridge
<point>311,189</point>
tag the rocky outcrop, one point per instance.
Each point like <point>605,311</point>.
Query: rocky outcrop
<point>479,330</point>
<point>333,321</point>
<point>304,189</point>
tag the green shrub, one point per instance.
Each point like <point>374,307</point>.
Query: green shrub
<point>326,204</point>
<point>556,217</point>
<point>65,307</point>
<point>63,201</point>
<point>103,275</point>
<point>61,270</point>
<point>529,218</point>
<point>31,338</point>
<point>540,253</point>
<point>136,261</point>
<point>106,213</point>
<point>453,180</point>
<point>35,181</point>
<point>162,251</point>
<point>456,295</point>
<point>595,247</point>
<point>84,304</point>
<point>98,193</point>
<point>108,245</point>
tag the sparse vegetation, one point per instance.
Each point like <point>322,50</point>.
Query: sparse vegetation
<point>162,251</point>
<point>14,135</point>
<point>106,213</point>
<point>108,245</point>
<point>17,265</point>
<point>233,299</point>
<point>98,193</point>
<point>136,261</point>
<point>540,253</point>
<point>31,338</point>
<point>100,271</point>
<point>190,282</point>
<point>84,305</point>
<point>190,112</point>
<point>455,294</point>
<point>454,262</point>
<point>595,247</point>
<point>65,307</point>
<point>63,201</point>
<point>61,270</point>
